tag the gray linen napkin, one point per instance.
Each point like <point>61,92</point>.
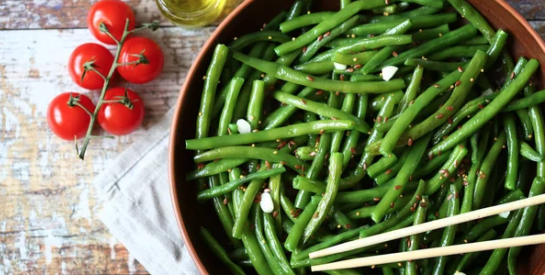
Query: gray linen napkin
<point>136,204</point>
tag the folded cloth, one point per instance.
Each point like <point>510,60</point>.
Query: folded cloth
<point>136,204</point>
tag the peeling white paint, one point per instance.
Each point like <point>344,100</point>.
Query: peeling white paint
<point>113,242</point>
<point>50,241</point>
<point>82,209</point>
<point>21,245</point>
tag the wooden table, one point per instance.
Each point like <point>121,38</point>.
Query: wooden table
<point>48,205</point>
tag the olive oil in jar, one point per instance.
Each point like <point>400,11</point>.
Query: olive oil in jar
<point>191,13</point>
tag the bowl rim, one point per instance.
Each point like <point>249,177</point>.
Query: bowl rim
<point>175,124</point>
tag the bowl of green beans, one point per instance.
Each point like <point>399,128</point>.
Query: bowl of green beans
<point>306,124</point>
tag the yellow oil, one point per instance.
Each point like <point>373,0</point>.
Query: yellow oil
<point>192,13</point>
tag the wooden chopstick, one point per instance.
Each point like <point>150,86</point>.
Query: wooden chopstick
<point>432,252</point>
<point>413,230</point>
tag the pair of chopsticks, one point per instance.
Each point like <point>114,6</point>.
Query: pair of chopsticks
<point>432,252</point>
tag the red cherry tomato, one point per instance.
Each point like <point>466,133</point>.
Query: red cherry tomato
<point>103,61</point>
<point>67,122</point>
<point>118,119</point>
<point>140,73</point>
<point>113,13</point>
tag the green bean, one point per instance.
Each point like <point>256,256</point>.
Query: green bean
<point>431,165</point>
<point>472,15</point>
<point>430,3</point>
<point>449,232</point>
<point>304,20</point>
<point>294,238</point>
<point>469,258</point>
<point>320,109</point>
<point>342,221</point>
<point>414,240</point>
<point>210,86</point>
<point>468,110</point>
<point>378,101</point>
<point>230,101</point>
<point>391,9</point>
<point>464,51</point>
<point>368,195</point>
<point>462,89</point>
<point>275,245</point>
<point>347,108</point>
<point>537,124</point>
<point>243,72</point>
<point>316,45</point>
<point>401,219</point>
<point>486,169</point>
<point>412,90</point>
<point>353,137</point>
<point>298,9</point>
<point>448,169</point>
<point>273,134</point>
<point>376,61</point>
<point>302,183</point>
<point>245,206</point>
<point>366,211</point>
<point>421,22</point>
<point>392,171</point>
<point>366,158</point>
<point>316,68</point>
<point>282,114</point>
<point>288,207</point>
<point>214,168</point>
<point>354,59</point>
<point>479,40</point>
<point>232,185</point>
<point>523,228</point>
<point>239,254</point>
<point>449,39</point>
<point>291,75</point>
<point>275,184</point>
<point>512,151</point>
<point>529,101</point>
<point>305,153</point>
<point>400,125</point>
<point>489,111</point>
<point>482,227</point>
<point>218,250</point>
<point>245,93</point>
<point>496,46</point>
<point>327,24</point>
<point>223,212</point>
<point>415,13</point>
<point>496,258</point>
<point>264,35</point>
<point>277,267</point>
<point>332,187</point>
<point>528,152</point>
<point>521,63</point>
<point>381,165</point>
<point>401,179</point>
<point>255,107</point>
<point>427,34</point>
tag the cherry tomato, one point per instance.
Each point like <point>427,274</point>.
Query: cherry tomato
<point>118,119</point>
<point>66,121</point>
<point>140,73</point>
<point>103,61</point>
<point>113,13</point>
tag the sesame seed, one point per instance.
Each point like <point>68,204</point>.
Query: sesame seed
<point>450,108</point>
<point>310,78</point>
<point>458,83</point>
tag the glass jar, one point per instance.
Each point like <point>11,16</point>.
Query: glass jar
<point>191,13</point>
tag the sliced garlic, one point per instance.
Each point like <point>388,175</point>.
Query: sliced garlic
<point>389,72</point>
<point>266,202</point>
<point>244,126</point>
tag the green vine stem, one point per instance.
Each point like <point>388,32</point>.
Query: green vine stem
<point>88,66</point>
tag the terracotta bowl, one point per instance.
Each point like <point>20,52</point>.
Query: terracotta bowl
<point>249,17</point>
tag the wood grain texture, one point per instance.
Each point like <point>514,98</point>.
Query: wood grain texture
<point>48,206</point>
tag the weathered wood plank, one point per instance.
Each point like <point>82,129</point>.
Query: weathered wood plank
<point>48,206</point>
<point>70,14</point>
<point>530,9</point>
